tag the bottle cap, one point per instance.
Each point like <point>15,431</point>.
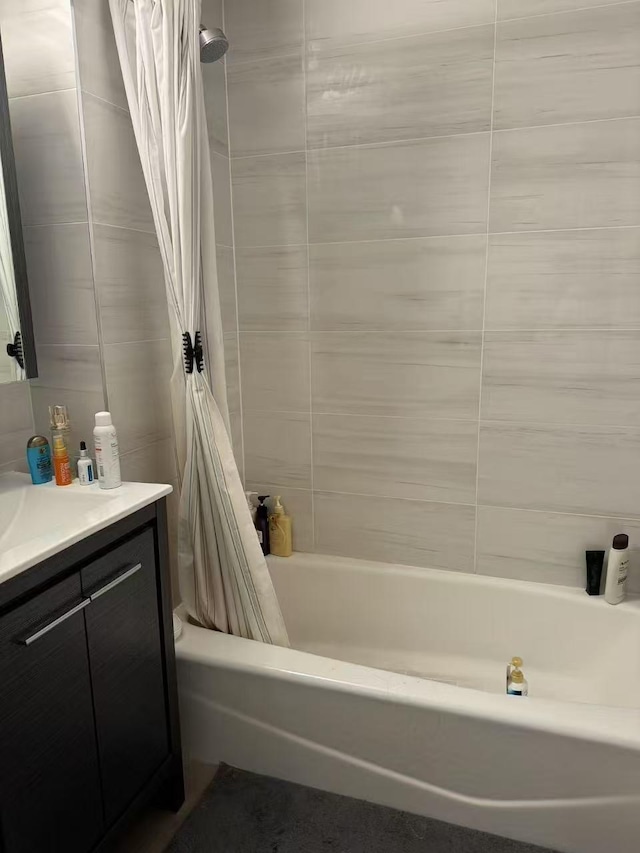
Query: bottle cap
<point>620,542</point>
<point>103,419</point>
<point>37,441</point>
<point>83,448</point>
<point>262,498</point>
<point>278,509</point>
<point>516,676</point>
<point>59,417</point>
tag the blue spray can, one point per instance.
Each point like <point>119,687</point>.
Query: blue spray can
<point>39,459</point>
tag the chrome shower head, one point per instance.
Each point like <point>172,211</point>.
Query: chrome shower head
<point>213,44</point>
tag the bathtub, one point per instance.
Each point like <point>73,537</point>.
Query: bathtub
<point>394,692</point>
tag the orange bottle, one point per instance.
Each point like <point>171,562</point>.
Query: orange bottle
<point>61,464</point>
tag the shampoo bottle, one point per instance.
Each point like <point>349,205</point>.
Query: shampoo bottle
<point>39,460</point>
<point>262,524</point>
<point>105,440</point>
<point>280,531</point>
<point>617,568</point>
<point>61,464</point>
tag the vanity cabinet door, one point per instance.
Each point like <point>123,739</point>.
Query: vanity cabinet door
<point>50,798</point>
<point>126,658</point>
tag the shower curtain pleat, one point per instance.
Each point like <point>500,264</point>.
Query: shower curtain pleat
<point>224,579</point>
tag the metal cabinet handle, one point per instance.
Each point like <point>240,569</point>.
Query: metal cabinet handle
<point>113,583</point>
<point>54,624</point>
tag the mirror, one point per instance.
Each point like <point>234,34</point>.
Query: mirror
<point>17,349</point>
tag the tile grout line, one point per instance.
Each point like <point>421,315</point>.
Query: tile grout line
<point>235,269</point>
<point>306,207</point>
<point>80,93</point>
<point>486,276</point>
<point>491,422</point>
<point>459,236</point>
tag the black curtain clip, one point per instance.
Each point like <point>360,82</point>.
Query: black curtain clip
<point>192,352</point>
<point>15,350</point>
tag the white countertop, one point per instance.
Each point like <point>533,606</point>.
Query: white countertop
<point>39,521</point>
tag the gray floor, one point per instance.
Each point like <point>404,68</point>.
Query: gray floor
<point>245,813</point>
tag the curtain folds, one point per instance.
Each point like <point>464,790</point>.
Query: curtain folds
<point>224,579</point>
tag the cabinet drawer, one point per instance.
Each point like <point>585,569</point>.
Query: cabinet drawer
<point>126,659</point>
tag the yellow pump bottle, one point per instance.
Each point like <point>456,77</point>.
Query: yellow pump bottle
<point>280,531</point>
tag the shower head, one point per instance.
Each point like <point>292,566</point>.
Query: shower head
<point>213,44</point>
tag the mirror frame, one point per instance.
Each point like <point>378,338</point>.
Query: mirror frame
<point>15,230</point>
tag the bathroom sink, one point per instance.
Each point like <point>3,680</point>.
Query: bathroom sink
<point>38,521</point>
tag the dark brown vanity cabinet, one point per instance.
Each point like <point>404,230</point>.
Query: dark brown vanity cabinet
<point>88,711</point>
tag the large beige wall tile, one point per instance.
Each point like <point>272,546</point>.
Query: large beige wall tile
<point>413,374</point>
<point>416,533</point>
<point>574,67</point>
<point>273,288</point>
<point>48,154</point>
<point>579,377</point>
<point>269,200</point>
<point>266,106</point>
<point>547,546</point>
<point>215,102</point>
<point>154,463</point>
<point>98,63</point>
<point>277,448</point>
<point>564,279</point>
<point>425,283</point>
<point>139,398</point>
<point>431,460</point>
<point>232,370</point>
<point>568,176</point>
<point>116,185</point>
<point>60,272</point>
<point>17,421</point>
<point>268,28</point>
<point>37,43</point>
<point>525,8</point>
<point>227,288</point>
<point>130,285</point>
<point>237,442</point>
<point>337,21</point>
<point>429,85</point>
<point>593,470</point>
<point>407,189</point>
<point>222,212</point>
<point>275,371</point>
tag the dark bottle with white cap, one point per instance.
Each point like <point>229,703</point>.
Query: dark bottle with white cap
<point>617,569</point>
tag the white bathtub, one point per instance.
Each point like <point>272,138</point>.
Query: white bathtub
<point>360,706</point>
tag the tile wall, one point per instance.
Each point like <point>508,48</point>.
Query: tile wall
<point>436,223</point>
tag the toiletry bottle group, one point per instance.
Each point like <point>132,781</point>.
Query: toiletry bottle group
<point>615,584</point>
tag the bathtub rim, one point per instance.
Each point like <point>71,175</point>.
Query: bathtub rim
<point>610,725</point>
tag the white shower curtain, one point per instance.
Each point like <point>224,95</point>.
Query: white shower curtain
<point>224,579</point>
